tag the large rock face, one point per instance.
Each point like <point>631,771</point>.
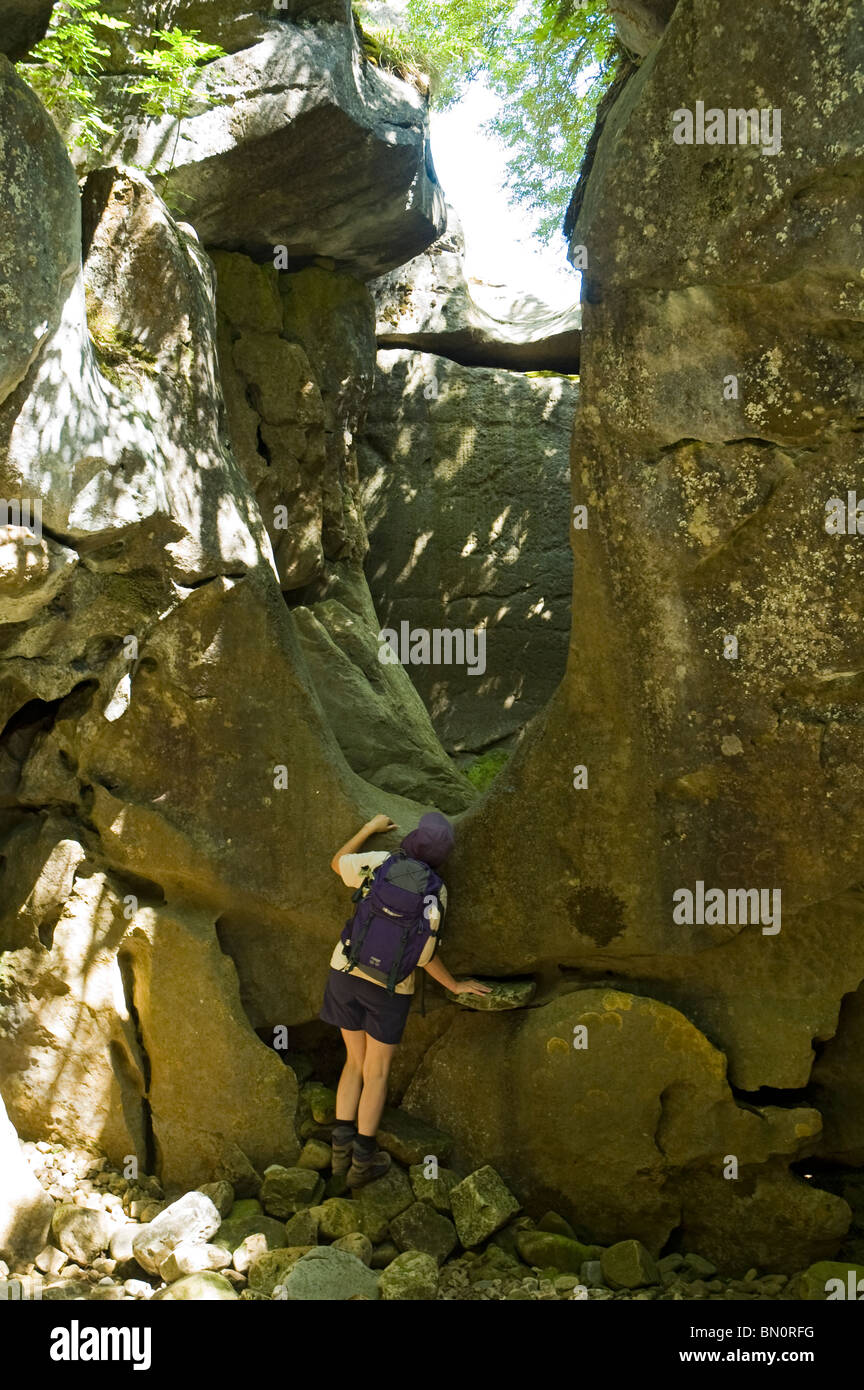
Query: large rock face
<point>72,1058</point>
<point>706,522</point>
<point>297,353</point>
<point>711,695</point>
<point>465,484</point>
<point>127,836</point>
<point>193,715</point>
<point>666,1137</point>
<point>232,1102</point>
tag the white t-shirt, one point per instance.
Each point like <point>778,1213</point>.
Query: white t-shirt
<point>353,868</point>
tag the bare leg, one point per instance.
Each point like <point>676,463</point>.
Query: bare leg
<point>351,1080</point>
<point>376,1070</point>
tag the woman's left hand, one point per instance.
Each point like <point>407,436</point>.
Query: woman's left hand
<point>471,987</point>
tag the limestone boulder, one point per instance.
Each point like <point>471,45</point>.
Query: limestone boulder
<point>331,1274</point>
<point>549,1250</point>
<point>481,1204</point>
<point>302,1228</point>
<point>190,1221</point>
<point>26,1209</point>
<point>193,1258</point>
<point>421,1227</point>
<point>503,994</point>
<point>380,1201</point>
<point>337,1217</point>
<point>274,127</point>
<point>70,1052</point>
<point>207,1286</point>
<point>286,1191</point>
<point>203,1130</point>
<point>413,1275</point>
<point>433,1185</point>
<point>465,484</point>
<point>430,305</point>
<point>82,1234</point>
<point>628,1265</point>
<point>632,1163</point>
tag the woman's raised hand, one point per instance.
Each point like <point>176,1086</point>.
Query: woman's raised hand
<point>378,824</point>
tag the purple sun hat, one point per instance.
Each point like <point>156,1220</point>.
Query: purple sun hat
<point>432,841</point>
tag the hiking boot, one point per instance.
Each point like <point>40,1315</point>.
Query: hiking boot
<point>366,1170</point>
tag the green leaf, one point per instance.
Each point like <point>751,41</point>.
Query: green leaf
<point>548,62</point>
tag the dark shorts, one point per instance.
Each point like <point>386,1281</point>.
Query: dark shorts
<point>359,1005</point>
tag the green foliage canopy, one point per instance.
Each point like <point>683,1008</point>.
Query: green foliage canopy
<point>64,69</point>
<point>548,63</point>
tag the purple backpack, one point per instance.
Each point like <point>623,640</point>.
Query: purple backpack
<point>390,928</point>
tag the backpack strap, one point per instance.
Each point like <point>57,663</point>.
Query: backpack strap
<point>394,969</point>
<point>360,892</point>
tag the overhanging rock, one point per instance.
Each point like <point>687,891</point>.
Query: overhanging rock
<point>429,305</point>
<point>296,142</point>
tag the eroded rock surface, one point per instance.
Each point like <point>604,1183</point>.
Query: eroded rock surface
<point>194,713</point>
<point>293,114</point>
<point>26,1209</point>
<point>465,486</point>
<point>664,1137</point>
<point>712,269</point>
<point>431,306</point>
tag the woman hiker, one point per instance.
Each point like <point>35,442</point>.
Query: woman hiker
<point>371,979</point>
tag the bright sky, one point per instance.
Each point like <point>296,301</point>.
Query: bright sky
<point>500,244</point>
